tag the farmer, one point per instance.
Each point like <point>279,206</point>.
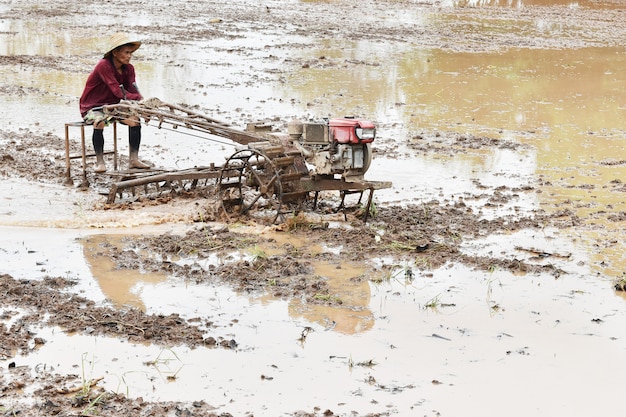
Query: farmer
<point>112,80</point>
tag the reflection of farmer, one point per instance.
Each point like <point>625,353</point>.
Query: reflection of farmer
<point>112,80</point>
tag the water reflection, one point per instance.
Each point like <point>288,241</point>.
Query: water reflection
<point>25,38</point>
<point>120,286</point>
<point>131,287</point>
<point>519,90</point>
<point>348,286</point>
<point>567,104</point>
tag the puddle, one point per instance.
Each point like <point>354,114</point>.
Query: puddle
<point>345,285</point>
<point>121,286</point>
<point>520,4</point>
<point>408,346</point>
<point>400,352</point>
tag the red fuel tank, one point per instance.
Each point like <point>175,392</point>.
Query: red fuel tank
<point>351,130</point>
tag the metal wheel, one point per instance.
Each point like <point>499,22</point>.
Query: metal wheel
<point>250,180</point>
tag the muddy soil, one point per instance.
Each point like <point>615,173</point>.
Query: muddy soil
<point>427,235</point>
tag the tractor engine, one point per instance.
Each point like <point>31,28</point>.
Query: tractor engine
<point>339,146</point>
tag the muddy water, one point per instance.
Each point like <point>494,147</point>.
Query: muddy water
<point>415,343</point>
<point>528,3</point>
<point>448,343</point>
<point>569,105</point>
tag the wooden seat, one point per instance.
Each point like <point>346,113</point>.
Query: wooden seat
<point>84,155</point>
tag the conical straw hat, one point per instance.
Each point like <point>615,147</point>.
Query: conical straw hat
<point>118,39</point>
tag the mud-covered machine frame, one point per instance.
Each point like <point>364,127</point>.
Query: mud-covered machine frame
<point>272,171</point>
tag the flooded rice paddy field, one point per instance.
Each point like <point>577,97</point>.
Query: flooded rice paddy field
<point>485,282</point>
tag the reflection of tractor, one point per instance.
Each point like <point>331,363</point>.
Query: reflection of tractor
<point>272,172</point>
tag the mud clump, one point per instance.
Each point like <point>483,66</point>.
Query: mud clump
<point>425,236</point>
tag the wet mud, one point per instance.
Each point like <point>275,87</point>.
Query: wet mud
<point>427,236</point>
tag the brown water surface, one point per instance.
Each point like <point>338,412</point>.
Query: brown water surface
<point>450,341</point>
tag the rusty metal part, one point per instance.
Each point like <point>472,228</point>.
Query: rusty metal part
<point>162,181</point>
<point>155,111</point>
<point>253,179</point>
<point>269,175</point>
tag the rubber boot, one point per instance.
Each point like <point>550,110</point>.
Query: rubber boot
<point>98,146</point>
<point>134,140</point>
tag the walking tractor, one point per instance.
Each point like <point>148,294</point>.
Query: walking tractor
<point>272,173</point>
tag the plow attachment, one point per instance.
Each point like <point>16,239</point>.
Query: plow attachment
<point>271,175</point>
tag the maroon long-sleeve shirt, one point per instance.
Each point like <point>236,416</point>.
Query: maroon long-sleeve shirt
<point>103,86</point>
